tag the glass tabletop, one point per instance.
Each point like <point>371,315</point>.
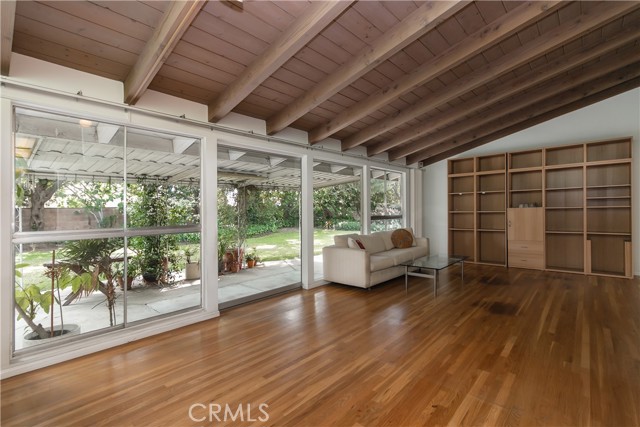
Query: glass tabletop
<point>435,262</point>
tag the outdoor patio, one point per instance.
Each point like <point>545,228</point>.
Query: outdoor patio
<point>147,301</point>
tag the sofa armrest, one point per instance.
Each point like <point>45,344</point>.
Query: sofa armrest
<point>346,265</point>
<point>423,241</point>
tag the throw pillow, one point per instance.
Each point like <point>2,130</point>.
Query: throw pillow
<point>402,238</point>
<point>410,230</point>
<point>354,243</point>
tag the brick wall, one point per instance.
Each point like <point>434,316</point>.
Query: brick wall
<point>69,219</point>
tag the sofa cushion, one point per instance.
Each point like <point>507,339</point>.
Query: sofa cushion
<point>386,237</point>
<point>341,239</point>
<point>419,251</point>
<point>379,262</point>
<point>401,238</point>
<point>407,254</point>
<point>372,244</point>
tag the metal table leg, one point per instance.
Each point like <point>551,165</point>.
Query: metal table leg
<point>406,279</point>
<point>435,283</point>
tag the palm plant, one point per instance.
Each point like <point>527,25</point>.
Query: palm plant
<point>92,259</point>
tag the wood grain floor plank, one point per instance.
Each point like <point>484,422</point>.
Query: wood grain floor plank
<point>507,347</point>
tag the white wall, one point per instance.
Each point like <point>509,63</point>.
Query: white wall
<point>615,117</point>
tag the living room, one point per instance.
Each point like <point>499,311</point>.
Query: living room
<point>497,345</point>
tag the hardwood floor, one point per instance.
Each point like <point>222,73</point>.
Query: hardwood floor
<point>511,347</point>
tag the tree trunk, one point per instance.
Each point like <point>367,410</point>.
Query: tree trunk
<point>38,329</point>
<point>41,194</point>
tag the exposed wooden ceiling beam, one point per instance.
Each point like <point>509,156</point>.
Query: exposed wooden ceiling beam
<point>470,46</point>
<point>581,103</point>
<point>8,12</point>
<point>559,36</point>
<point>302,31</point>
<point>528,101</point>
<point>558,103</point>
<point>424,19</point>
<point>174,23</point>
<point>517,85</point>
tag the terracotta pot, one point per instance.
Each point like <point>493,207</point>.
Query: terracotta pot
<point>120,281</point>
<point>251,263</point>
<point>235,266</point>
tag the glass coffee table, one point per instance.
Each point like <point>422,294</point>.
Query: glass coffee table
<point>435,263</point>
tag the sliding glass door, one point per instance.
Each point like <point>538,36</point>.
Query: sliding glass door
<point>107,222</point>
<point>258,225</point>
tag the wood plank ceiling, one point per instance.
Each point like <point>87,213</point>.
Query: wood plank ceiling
<point>419,81</point>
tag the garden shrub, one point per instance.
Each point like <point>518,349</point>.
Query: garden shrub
<point>348,225</point>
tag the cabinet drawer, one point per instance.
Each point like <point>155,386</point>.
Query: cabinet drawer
<point>525,260</point>
<point>526,246</point>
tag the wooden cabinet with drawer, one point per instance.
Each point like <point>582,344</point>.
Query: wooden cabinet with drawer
<point>526,237</point>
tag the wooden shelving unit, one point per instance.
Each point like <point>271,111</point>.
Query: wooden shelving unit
<point>563,208</point>
<point>491,244</point>
<point>462,207</point>
<point>477,190</point>
<point>608,208</point>
<point>525,216</point>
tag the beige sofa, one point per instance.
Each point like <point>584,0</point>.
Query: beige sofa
<point>378,262</point>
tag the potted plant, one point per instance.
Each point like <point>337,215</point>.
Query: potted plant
<point>31,298</point>
<point>192,269</point>
<point>91,259</point>
<point>133,270</point>
<point>225,240</point>
<point>252,258</point>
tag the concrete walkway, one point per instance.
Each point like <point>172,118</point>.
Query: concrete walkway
<point>147,301</point>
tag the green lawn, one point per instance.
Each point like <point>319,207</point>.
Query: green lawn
<point>286,244</point>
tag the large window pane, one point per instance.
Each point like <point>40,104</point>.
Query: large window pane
<point>167,283</point>
<point>258,219</point>
<point>70,283</point>
<point>68,173</point>
<point>163,180</point>
<point>386,200</point>
<point>72,175</point>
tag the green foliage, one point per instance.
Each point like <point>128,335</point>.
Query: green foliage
<point>254,230</point>
<point>158,204</point>
<point>87,253</point>
<point>336,204</point>
<point>386,197</point>
<point>348,225</point>
<point>91,197</point>
<point>190,253</point>
<point>252,255</point>
<point>30,297</point>
<point>226,240</point>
